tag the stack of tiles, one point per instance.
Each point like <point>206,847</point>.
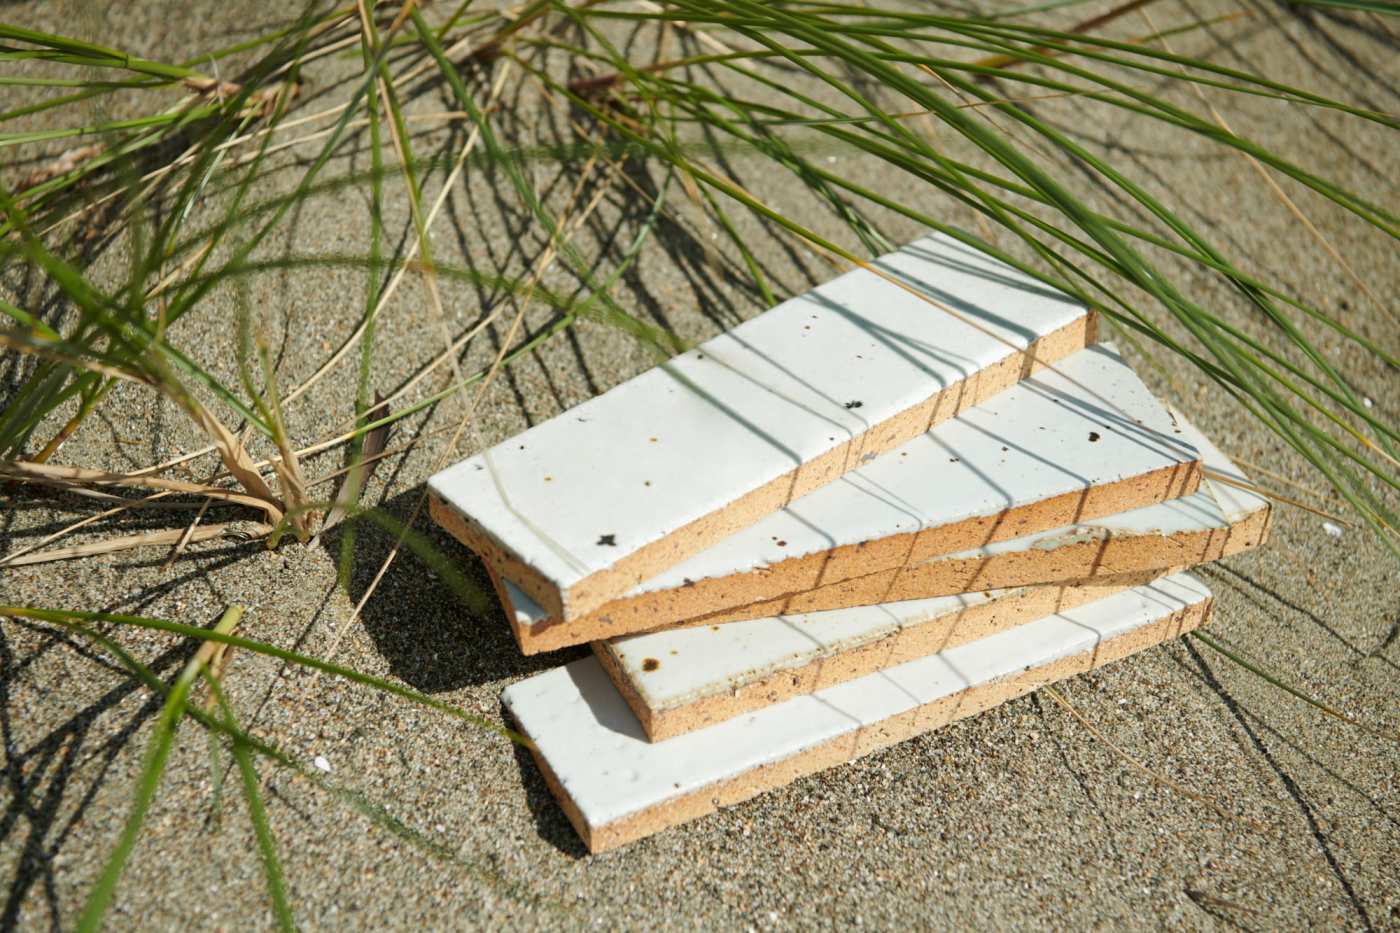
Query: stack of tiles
<point>911,494</point>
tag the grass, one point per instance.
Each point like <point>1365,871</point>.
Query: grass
<point>943,99</point>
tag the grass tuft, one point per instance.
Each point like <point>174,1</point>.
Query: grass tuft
<point>195,171</point>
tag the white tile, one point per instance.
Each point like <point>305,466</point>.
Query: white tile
<point>1216,506</point>
<point>678,666</point>
<point>984,475</point>
<point>616,785</point>
<point>682,666</point>
<point>1089,422</point>
<point>666,671</point>
<point>585,493</point>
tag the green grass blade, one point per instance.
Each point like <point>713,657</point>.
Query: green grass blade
<point>157,753</point>
<point>658,340</point>
<point>87,53</point>
<point>216,782</point>
<point>356,801</point>
<point>257,647</point>
<point>257,813</point>
<point>1275,681</point>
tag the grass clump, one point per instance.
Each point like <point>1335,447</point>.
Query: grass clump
<point>172,161</point>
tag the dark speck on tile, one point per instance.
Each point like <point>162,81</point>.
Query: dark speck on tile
<point>607,540</point>
<point>855,404</point>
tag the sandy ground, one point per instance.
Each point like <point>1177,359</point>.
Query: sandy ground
<point>1020,817</point>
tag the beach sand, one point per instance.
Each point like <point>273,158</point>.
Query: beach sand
<point>1019,817</point>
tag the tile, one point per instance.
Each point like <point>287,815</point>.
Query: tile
<point>691,676</point>
<point>578,510</point>
<point>1218,520</point>
<point>1076,443</point>
<point>694,676</point>
<point>616,786</point>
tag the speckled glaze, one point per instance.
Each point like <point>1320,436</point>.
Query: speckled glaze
<point>578,495</point>
<point>1088,423</point>
<point>1215,506</point>
<point>669,669</point>
<point>601,764</point>
<point>1091,421</point>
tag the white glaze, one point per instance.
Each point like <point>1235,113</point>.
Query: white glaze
<point>526,610</point>
<point>704,661</point>
<point>688,438</point>
<point>605,765</point>
<point>959,470</point>
<point>707,660</point>
<point>1025,445</point>
<point>1214,507</point>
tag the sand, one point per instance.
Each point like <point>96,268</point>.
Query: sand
<point>1019,817</point>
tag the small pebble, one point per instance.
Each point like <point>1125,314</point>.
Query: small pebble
<point>1367,402</point>
<point>321,763</point>
<point>1333,530</point>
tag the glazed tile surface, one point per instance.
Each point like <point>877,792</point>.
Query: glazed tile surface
<point>572,496</point>
<point>670,668</point>
<point>1087,423</point>
<point>608,770</point>
<point>1091,421</point>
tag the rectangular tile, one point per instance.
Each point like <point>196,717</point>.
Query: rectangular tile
<point>617,787</point>
<point>692,677</point>
<point>1218,520</point>
<point>1079,442</point>
<point>578,510</point>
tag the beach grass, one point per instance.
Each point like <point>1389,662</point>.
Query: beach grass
<point>170,159</point>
